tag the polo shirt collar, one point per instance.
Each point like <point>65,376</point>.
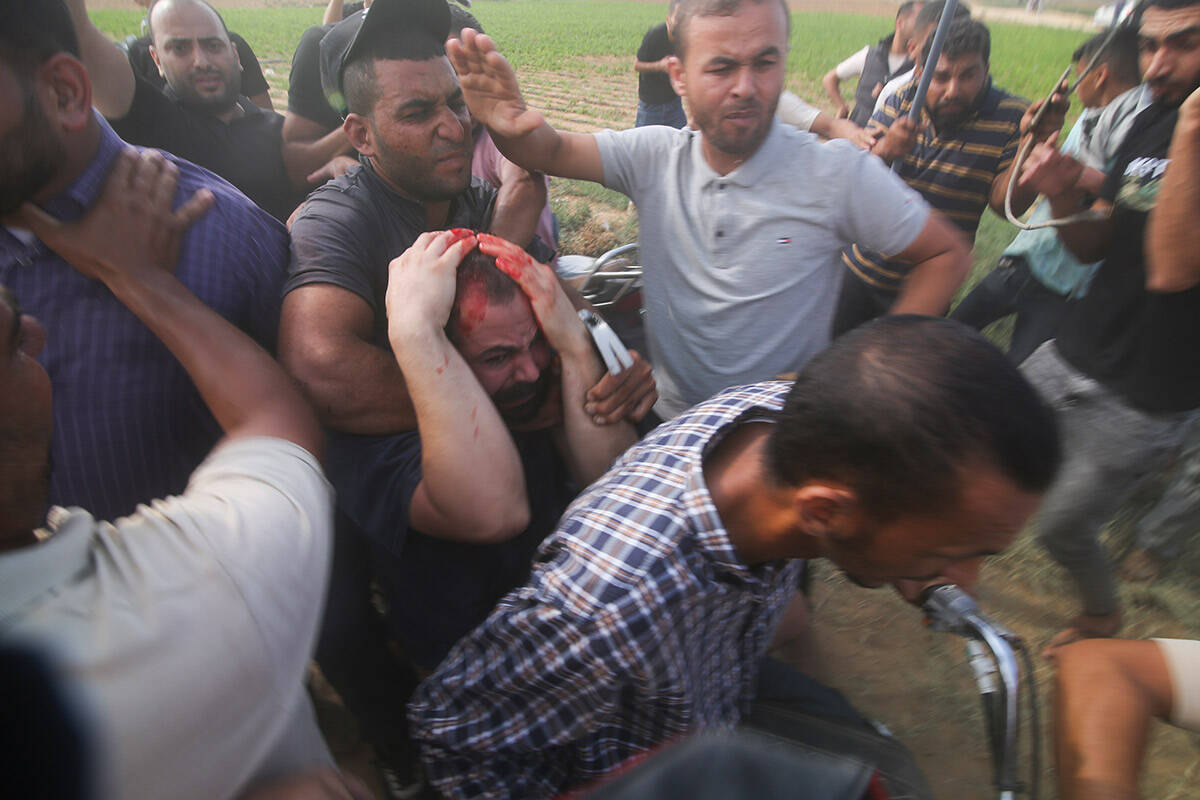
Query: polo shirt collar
<point>756,169</point>
<point>83,191</point>
<point>31,571</point>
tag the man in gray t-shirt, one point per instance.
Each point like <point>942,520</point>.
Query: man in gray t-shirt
<point>741,219</point>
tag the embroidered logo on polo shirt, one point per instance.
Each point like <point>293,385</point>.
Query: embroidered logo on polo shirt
<point>784,240</point>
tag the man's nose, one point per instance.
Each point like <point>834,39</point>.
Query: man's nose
<point>743,84</point>
<point>1159,66</point>
<point>452,126</point>
<point>527,370</point>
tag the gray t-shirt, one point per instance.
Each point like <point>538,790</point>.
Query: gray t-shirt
<point>742,271</point>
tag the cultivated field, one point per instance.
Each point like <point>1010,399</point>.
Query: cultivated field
<point>575,60</point>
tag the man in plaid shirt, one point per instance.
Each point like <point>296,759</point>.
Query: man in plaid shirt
<point>907,451</point>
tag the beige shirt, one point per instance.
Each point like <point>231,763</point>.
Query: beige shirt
<point>184,630</point>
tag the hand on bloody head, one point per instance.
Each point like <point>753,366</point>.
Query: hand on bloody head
<point>555,315</point>
<point>422,282</point>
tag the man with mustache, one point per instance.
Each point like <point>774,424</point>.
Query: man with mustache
<point>742,219</point>
<point>958,158</point>
<point>201,115</point>
<point>497,363</point>
<point>1122,372</point>
<point>907,450</point>
<point>410,127</point>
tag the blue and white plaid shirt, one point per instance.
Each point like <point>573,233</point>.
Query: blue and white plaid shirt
<point>639,624</point>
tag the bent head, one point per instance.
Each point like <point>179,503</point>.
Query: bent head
<point>961,73</point>
<point>194,55</point>
<point>913,447</point>
<point>492,325</point>
<point>906,17</point>
<point>25,423</point>
<point>1169,41</point>
<point>731,70</point>
<point>925,22</point>
<point>45,101</point>
<point>1116,68</point>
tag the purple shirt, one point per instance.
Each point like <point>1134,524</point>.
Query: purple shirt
<point>129,425</point>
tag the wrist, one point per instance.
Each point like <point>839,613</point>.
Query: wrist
<point>412,336</point>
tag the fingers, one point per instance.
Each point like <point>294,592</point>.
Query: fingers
<point>627,395</point>
<point>29,216</point>
<point>194,208</point>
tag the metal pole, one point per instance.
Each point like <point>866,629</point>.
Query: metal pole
<point>935,53</point>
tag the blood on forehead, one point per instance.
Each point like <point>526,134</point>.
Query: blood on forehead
<point>472,307</point>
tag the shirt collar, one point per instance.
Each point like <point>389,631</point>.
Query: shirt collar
<point>754,170</point>
<point>411,206</point>
<point>33,570</point>
<point>701,511</point>
<point>83,191</point>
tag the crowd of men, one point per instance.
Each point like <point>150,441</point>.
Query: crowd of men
<point>384,435</point>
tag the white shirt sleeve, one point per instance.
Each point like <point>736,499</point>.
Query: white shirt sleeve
<point>854,65</point>
<point>890,88</point>
<point>796,112</point>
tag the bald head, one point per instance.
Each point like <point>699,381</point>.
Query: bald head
<point>194,55</point>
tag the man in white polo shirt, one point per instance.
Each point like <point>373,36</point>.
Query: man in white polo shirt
<point>741,218</point>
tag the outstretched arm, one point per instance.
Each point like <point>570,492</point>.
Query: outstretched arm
<point>1172,236</point>
<point>833,89</point>
<point>590,448</point>
<point>472,485</point>
<point>129,240</point>
<point>490,87</point>
<point>111,73</point>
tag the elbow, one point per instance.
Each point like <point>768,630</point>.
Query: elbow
<point>310,365</point>
<point>504,523</point>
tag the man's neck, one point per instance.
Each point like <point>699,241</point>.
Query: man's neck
<point>229,114</point>
<point>722,163</point>
<point>1112,93</point>
<point>81,149</point>
<point>437,214</point>
<point>759,519</point>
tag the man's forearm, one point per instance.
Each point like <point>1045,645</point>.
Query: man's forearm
<point>355,387</point>
<point>519,203</point>
<point>107,64</point>
<point>833,89</point>
<point>302,158</point>
<point>651,66</point>
<point>1088,241</point>
<point>464,443</point>
<point>1172,235</point>
<point>590,449</point>
<point>933,281</point>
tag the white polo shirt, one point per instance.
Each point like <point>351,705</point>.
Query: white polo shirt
<point>742,271</point>
<point>184,630</point>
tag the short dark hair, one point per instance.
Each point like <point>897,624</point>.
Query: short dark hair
<point>359,83</point>
<point>1120,56</point>
<point>931,13</point>
<point>907,7</point>
<point>32,31</point>
<point>685,11</point>
<point>205,3</point>
<point>965,37</point>
<point>461,18</point>
<point>897,409</point>
<point>479,270</point>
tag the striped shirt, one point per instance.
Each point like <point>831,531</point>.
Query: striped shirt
<point>954,172</point>
<point>639,624</point>
<point>128,422</point>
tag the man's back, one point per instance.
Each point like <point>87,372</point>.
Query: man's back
<point>639,623</point>
<point>115,607</point>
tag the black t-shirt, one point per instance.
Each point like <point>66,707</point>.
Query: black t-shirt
<point>346,235</point>
<point>1140,344</point>
<point>306,97</point>
<point>246,151</point>
<point>253,81</point>
<point>654,88</point>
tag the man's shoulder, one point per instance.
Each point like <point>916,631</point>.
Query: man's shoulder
<point>1002,105</point>
<point>233,214</point>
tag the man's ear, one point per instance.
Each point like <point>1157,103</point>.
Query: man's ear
<point>825,509</point>
<point>69,90</point>
<point>675,73</point>
<point>157,63</point>
<point>358,131</point>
